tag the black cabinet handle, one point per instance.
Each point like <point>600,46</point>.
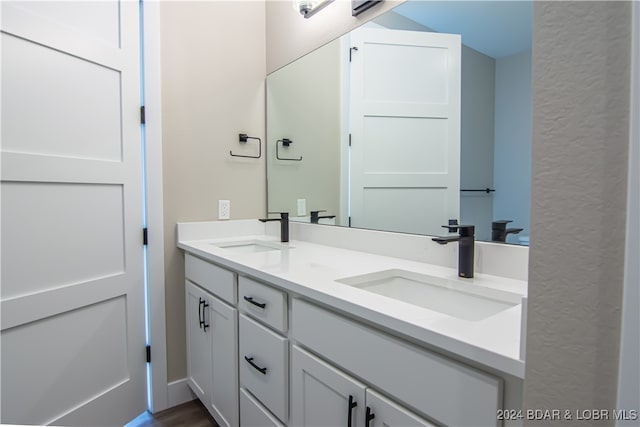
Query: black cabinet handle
<point>352,404</point>
<point>205,325</point>
<point>368,417</point>
<point>263,371</point>
<point>257,304</point>
<point>200,312</point>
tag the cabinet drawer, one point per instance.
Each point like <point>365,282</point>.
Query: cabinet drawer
<point>262,302</point>
<point>209,276</point>
<point>450,392</point>
<point>253,414</point>
<point>264,366</point>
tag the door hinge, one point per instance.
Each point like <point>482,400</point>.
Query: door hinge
<point>349,221</point>
<point>145,236</point>
<point>349,140</point>
<point>143,118</point>
<point>148,354</point>
<point>351,52</point>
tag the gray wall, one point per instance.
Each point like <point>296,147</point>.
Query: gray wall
<point>512,157</point>
<point>581,73</point>
<point>477,140</point>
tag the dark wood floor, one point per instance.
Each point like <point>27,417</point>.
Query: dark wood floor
<point>190,414</point>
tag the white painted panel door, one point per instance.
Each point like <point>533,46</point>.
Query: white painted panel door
<point>387,413</point>
<point>72,296</point>
<point>321,395</point>
<point>405,130</point>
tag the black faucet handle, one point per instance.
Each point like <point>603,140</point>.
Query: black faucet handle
<point>452,227</point>
<point>317,212</point>
<point>282,214</point>
<point>500,224</point>
<point>464,230</point>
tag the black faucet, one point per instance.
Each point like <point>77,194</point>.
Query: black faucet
<point>284,225</point>
<point>466,243</point>
<point>499,230</point>
<point>315,216</point>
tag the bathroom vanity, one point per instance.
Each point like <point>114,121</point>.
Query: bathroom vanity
<point>315,332</point>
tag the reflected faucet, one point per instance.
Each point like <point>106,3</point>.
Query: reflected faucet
<point>499,230</point>
<point>284,225</point>
<point>466,243</point>
<point>315,216</point>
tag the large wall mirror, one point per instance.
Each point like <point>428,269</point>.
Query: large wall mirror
<point>420,116</point>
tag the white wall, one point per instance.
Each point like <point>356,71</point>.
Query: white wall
<point>512,155</point>
<point>213,71</point>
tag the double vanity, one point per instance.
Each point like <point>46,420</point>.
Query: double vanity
<point>347,327</point>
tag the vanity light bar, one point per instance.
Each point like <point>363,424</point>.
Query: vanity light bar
<point>308,8</point>
<point>359,6</point>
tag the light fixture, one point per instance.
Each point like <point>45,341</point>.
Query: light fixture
<point>308,8</point>
<point>359,6</point>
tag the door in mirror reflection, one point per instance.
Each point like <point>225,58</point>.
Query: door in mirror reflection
<point>405,130</point>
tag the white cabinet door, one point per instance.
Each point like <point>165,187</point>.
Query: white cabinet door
<point>322,395</point>
<point>383,412</point>
<point>198,342</point>
<point>253,414</point>
<point>223,327</point>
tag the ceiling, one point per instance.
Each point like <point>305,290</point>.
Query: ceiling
<point>495,28</point>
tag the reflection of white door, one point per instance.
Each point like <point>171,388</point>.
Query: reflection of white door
<point>405,130</point>
<point>72,296</point>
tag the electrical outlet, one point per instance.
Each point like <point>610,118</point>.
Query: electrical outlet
<point>224,209</point>
<point>302,207</point>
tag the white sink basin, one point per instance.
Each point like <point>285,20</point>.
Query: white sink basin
<point>251,246</point>
<point>451,297</point>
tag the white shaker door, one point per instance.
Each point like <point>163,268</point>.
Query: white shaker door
<point>72,296</point>
<point>405,130</point>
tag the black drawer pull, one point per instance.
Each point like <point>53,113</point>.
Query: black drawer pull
<point>205,325</point>
<point>263,371</point>
<point>352,404</point>
<point>257,304</point>
<point>369,416</point>
<point>200,312</point>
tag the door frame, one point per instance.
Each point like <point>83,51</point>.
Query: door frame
<point>628,391</point>
<point>158,397</point>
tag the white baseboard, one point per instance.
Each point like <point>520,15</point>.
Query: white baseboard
<point>179,392</point>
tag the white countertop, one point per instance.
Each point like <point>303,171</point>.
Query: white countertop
<point>311,270</point>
